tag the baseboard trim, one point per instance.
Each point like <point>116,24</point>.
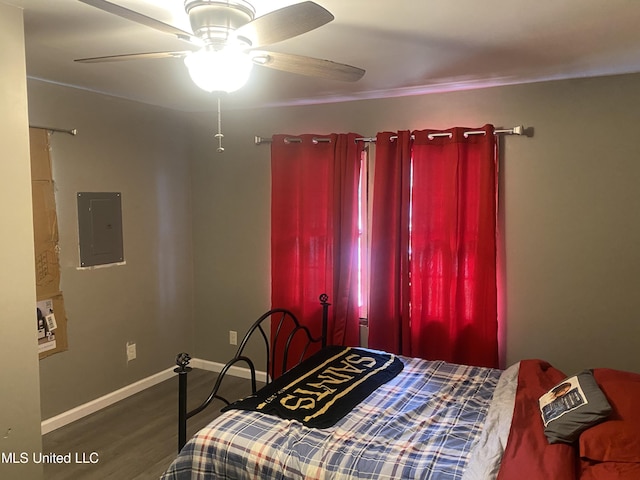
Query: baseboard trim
<point>241,372</point>
<point>65,418</point>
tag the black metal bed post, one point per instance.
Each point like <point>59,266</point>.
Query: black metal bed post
<point>182,360</point>
<point>325,317</point>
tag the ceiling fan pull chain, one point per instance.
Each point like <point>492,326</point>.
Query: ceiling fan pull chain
<point>219,135</point>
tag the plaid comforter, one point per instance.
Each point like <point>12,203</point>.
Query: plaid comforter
<point>420,425</point>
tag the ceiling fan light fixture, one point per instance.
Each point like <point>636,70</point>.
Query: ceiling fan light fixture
<point>219,70</point>
<point>213,20</point>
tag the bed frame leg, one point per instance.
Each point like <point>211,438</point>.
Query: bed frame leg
<point>182,360</point>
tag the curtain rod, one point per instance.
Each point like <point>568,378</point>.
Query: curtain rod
<point>517,130</point>
<point>73,131</point>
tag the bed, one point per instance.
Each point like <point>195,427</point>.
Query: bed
<point>430,420</point>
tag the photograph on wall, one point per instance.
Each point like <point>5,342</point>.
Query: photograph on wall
<point>46,325</point>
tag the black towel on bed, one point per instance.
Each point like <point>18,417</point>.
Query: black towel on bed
<point>325,387</point>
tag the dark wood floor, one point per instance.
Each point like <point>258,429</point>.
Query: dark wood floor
<point>135,439</point>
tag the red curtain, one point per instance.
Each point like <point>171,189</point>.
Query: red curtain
<point>314,232</point>
<point>389,269</point>
<point>447,306</point>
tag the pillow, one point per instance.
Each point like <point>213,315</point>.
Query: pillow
<point>608,470</point>
<point>617,439</point>
<point>571,407</point>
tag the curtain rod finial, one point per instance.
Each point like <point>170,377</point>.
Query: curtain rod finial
<point>258,140</point>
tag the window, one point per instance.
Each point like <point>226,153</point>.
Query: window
<point>363,237</point>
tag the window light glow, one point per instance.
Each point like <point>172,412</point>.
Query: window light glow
<point>363,250</point>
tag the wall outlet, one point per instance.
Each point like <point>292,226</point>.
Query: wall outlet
<point>233,337</point>
<point>131,351</point>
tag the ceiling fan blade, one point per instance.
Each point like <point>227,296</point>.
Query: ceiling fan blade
<point>139,18</point>
<point>313,67</point>
<point>133,56</point>
<point>285,23</point>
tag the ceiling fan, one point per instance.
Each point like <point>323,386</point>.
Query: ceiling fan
<point>226,37</point>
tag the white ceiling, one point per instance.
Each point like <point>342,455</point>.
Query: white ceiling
<point>406,47</point>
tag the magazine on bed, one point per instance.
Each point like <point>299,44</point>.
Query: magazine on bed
<point>561,399</point>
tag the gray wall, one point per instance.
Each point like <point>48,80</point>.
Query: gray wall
<point>20,397</point>
<point>142,152</point>
<point>569,218</point>
<point>231,211</point>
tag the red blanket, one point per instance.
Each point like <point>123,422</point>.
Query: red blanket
<point>608,451</point>
<point>528,454</point>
